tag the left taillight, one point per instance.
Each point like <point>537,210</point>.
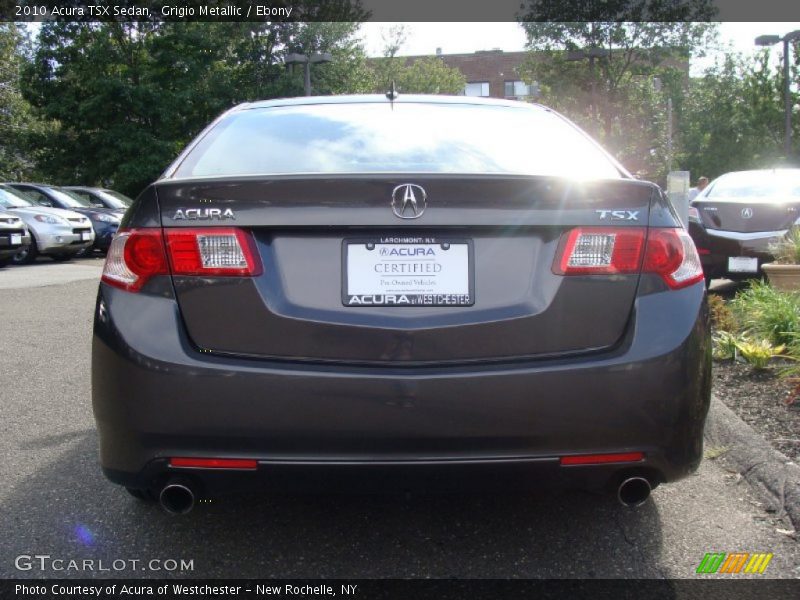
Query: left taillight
<point>136,255</point>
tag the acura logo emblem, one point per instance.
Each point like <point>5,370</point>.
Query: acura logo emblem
<point>409,201</point>
<point>747,213</point>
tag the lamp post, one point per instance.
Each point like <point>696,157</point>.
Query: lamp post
<point>592,54</point>
<point>301,59</point>
<point>769,40</point>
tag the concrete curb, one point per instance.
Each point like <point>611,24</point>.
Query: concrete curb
<point>774,476</point>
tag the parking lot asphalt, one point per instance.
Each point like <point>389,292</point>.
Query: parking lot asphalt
<point>54,500</point>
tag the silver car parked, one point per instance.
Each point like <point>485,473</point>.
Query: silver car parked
<point>14,236</point>
<point>57,233</point>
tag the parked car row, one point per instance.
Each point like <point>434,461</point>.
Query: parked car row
<point>736,219</point>
<point>59,222</point>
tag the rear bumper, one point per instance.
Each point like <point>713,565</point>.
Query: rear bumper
<point>155,396</point>
<point>716,247</point>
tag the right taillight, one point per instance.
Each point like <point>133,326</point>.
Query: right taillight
<point>671,253</point>
<point>136,255</point>
<point>668,252</point>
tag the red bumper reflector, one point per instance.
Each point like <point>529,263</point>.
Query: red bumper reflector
<point>214,463</point>
<point>597,459</point>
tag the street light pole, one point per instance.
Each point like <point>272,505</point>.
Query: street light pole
<point>769,40</point>
<point>301,59</point>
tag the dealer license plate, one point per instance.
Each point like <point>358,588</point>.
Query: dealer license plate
<point>742,264</point>
<point>408,271</point>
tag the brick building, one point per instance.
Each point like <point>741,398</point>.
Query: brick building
<point>489,73</point>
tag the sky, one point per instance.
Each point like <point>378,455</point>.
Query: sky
<point>455,38</point>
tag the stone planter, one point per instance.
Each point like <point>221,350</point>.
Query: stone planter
<point>783,277</point>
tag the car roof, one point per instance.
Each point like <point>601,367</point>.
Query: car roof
<point>383,99</point>
<point>786,171</point>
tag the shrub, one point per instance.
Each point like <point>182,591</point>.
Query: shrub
<point>787,251</point>
<point>722,317</point>
<point>724,345</point>
<point>767,313</point>
<point>758,353</point>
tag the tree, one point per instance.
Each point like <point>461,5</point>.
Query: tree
<point>126,97</point>
<point>413,76</point>
<point>17,124</point>
<point>601,75</point>
<point>733,117</point>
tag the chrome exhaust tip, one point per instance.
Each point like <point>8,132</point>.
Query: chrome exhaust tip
<point>176,498</point>
<point>633,491</point>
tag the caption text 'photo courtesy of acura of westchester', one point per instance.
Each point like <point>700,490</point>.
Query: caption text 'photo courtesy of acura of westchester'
<point>338,291</point>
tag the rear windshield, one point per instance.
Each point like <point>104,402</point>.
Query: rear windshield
<point>756,184</point>
<point>406,138</point>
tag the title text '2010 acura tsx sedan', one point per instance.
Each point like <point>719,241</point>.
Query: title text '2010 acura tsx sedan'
<point>365,290</point>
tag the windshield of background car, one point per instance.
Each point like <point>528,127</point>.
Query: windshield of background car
<point>69,199</point>
<point>114,199</point>
<point>765,184</point>
<point>9,200</point>
<point>406,138</point>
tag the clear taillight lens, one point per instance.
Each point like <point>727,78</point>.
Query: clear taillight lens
<point>668,252</point>
<point>212,251</point>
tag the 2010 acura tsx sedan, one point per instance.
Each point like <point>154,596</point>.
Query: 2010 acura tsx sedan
<point>349,290</point>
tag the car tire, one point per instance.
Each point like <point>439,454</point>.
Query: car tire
<point>27,255</point>
<point>61,257</point>
<point>141,495</point>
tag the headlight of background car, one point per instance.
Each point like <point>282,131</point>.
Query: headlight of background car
<point>50,219</point>
<point>106,219</point>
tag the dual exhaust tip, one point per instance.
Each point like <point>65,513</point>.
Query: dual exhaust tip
<point>178,497</point>
<point>633,491</point>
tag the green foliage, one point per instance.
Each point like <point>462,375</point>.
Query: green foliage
<point>767,313</point>
<point>732,118</point>
<point>787,250</point>
<point>612,94</point>
<point>125,97</point>
<point>421,76</point>
<point>724,345</point>
<point>18,125</point>
<point>722,317</point>
<point>758,353</point>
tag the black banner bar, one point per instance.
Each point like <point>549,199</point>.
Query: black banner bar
<point>399,589</point>
<point>398,10</point>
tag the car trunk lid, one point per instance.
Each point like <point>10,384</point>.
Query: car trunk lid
<point>308,230</point>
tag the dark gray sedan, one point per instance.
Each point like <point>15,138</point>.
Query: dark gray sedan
<point>340,292</point>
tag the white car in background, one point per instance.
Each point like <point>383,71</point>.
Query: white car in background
<point>57,233</point>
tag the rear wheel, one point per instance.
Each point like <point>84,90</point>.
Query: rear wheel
<point>26,255</point>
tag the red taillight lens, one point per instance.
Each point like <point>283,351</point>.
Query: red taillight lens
<point>668,252</point>
<point>212,251</point>
<point>598,459</point>
<point>671,253</point>
<point>136,255</point>
<point>214,463</point>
